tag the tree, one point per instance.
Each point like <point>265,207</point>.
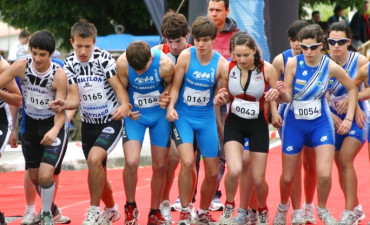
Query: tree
<point>59,15</point>
<point>358,4</point>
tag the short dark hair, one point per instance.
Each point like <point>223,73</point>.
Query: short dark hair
<point>314,13</point>
<point>24,34</point>
<point>226,2</point>
<point>43,40</point>
<point>295,27</point>
<point>337,9</point>
<point>203,27</point>
<point>83,29</point>
<point>138,54</point>
<point>174,25</point>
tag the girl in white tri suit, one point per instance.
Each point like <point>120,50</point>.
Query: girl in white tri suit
<point>348,145</point>
<point>248,80</point>
<point>307,117</point>
<point>9,94</point>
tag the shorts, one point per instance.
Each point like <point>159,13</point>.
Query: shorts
<point>256,130</point>
<point>34,152</point>
<point>5,126</point>
<point>105,136</point>
<point>159,129</point>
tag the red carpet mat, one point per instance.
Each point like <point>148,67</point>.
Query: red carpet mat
<point>73,193</point>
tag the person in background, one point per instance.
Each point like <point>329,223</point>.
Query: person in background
<point>360,26</point>
<point>316,18</point>
<point>338,16</point>
<point>19,49</point>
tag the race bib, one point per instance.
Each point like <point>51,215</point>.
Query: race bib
<point>307,110</point>
<point>93,95</point>
<point>146,100</point>
<point>194,97</point>
<point>245,109</point>
<point>335,100</point>
<point>39,100</point>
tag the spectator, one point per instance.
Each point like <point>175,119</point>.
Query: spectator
<point>19,49</point>
<point>338,16</point>
<point>317,19</point>
<point>360,26</point>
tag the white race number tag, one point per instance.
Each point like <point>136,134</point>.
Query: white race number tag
<point>307,110</point>
<point>194,97</point>
<point>39,100</point>
<point>146,100</point>
<point>93,95</point>
<point>245,109</point>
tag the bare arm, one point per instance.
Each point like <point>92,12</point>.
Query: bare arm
<point>12,94</point>
<point>285,88</point>
<point>166,70</point>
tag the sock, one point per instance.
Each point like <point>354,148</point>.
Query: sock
<point>153,212</point>
<point>54,207</point>
<point>185,209</point>
<point>310,205</point>
<point>114,208</point>
<point>202,211</point>
<point>47,194</point>
<point>133,204</point>
<point>260,210</point>
<point>95,208</point>
<point>230,203</point>
<point>284,206</point>
<point>31,208</point>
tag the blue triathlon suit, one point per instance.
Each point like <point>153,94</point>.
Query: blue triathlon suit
<point>368,133</point>
<point>337,93</point>
<point>144,91</point>
<point>307,116</point>
<point>195,106</point>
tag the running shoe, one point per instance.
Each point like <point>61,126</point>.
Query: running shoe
<point>326,217</point>
<point>92,217</point>
<point>177,205</point>
<point>309,213</point>
<point>242,217</point>
<point>227,215</point>
<point>46,219</point>
<point>280,216</point>
<point>193,213</point>
<point>157,219</point>
<point>253,216</point>
<point>206,219</point>
<point>58,218</point>
<point>28,218</point>
<point>185,218</point>
<point>110,216</point>
<point>165,208</point>
<point>359,213</point>
<point>2,219</point>
<point>297,217</point>
<point>131,215</point>
<point>216,205</point>
<point>348,218</point>
<point>263,217</point>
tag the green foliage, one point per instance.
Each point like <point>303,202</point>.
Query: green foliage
<point>58,16</point>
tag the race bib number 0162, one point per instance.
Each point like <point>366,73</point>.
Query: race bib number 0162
<point>39,101</point>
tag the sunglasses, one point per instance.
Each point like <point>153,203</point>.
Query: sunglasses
<point>312,47</point>
<point>340,42</point>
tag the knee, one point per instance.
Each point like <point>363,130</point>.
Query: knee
<point>187,165</point>
<point>94,161</point>
<point>286,179</point>
<point>45,179</point>
<point>234,172</point>
<point>131,164</point>
<point>211,175</point>
<point>324,179</point>
<point>259,182</point>
<point>159,167</point>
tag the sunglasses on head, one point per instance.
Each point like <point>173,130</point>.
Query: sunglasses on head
<point>340,42</point>
<point>312,47</point>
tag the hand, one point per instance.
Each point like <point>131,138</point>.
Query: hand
<point>121,112</point>
<point>172,114</point>
<point>221,97</point>
<point>344,127</point>
<point>13,140</point>
<point>58,105</point>
<point>271,95</point>
<point>50,137</point>
<point>337,121</point>
<point>164,100</point>
<point>277,121</point>
<point>360,117</point>
<point>134,115</point>
<point>280,86</point>
<point>342,107</point>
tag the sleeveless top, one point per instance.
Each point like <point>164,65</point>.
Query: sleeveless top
<point>144,90</point>
<point>246,102</point>
<point>38,91</point>
<point>166,50</point>
<point>197,91</point>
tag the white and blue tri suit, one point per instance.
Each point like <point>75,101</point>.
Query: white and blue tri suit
<point>144,92</point>
<point>338,93</point>
<point>195,106</point>
<point>307,117</point>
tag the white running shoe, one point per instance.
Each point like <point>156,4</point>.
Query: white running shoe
<point>216,205</point>
<point>177,205</point>
<point>28,218</point>
<point>297,217</point>
<point>227,215</point>
<point>280,216</point>
<point>348,218</point>
<point>110,216</point>
<point>253,217</point>
<point>359,213</point>
<point>241,218</point>
<point>92,217</point>
<point>193,213</point>
<point>309,213</point>
<point>326,217</point>
<point>165,208</point>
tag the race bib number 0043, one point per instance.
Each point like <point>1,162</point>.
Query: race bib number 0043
<point>245,109</point>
